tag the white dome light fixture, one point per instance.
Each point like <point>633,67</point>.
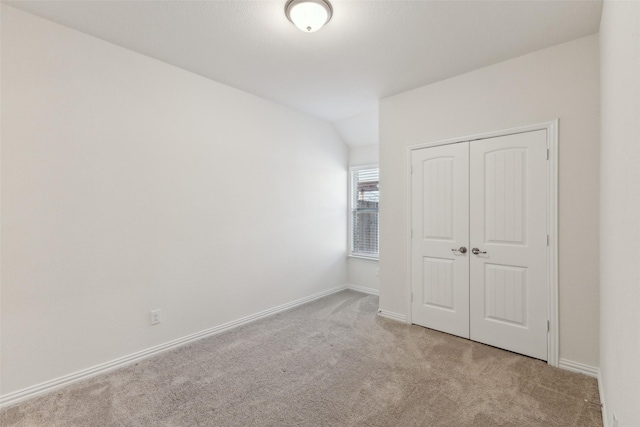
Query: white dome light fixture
<point>308,15</point>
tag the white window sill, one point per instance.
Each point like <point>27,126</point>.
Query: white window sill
<point>370,258</point>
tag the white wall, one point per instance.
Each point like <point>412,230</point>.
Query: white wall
<point>620,212</point>
<point>130,185</point>
<point>363,272</point>
<point>364,155</point>
<point>360,130</point>
<point>559,82</point>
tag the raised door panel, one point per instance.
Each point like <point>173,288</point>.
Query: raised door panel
<point>438,282</point>
<point>505,177</point>
<point>437,203</point>
<point>506,294</point>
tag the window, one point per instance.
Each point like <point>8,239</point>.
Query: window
<point>364,196</point>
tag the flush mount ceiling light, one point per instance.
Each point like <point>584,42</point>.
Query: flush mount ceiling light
<point>308,15</point>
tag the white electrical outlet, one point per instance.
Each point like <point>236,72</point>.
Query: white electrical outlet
<point>155,317</point>
<point>615,420</point>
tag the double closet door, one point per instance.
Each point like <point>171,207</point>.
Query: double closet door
<point>479,241</point>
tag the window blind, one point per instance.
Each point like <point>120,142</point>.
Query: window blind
<point>364,211</point>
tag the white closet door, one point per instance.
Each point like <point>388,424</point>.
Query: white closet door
<point>440,224</point>
<point>508,225</point>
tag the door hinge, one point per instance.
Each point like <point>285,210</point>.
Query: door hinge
<point>547,240</point>
<point>412,233</point>
<point>547,154</point>
<point>548,325</point>
<point>411,169</point>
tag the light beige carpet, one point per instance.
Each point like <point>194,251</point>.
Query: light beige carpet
<point>331,362</point>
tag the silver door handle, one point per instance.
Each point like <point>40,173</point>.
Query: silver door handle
<point>462,250</point>
<point>477,251</point>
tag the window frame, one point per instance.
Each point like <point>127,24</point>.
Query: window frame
<point>350,253</point>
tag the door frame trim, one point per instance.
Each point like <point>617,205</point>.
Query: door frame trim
<point>551,127</point>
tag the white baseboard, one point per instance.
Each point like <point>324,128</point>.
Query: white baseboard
<point>591,371</point>
<point>49,386</point>
<point>363,289</point>
<point>605,420</point>
<point>392,315</point>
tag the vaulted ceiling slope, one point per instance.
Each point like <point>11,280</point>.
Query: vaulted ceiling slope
<point>369,49</point>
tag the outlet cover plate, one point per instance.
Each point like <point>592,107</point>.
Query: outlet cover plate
<point>155,317</point>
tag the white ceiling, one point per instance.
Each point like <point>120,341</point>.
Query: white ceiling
<point>369,50</point>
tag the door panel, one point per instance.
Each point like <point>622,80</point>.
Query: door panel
<point>505,175</point>
<point>508,224</point>
<point>505,293</point>
<point>438,185</point>
<point>437,284</point>
<point>440,223</point>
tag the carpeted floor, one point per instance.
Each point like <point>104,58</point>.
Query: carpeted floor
<point>331,362</point>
